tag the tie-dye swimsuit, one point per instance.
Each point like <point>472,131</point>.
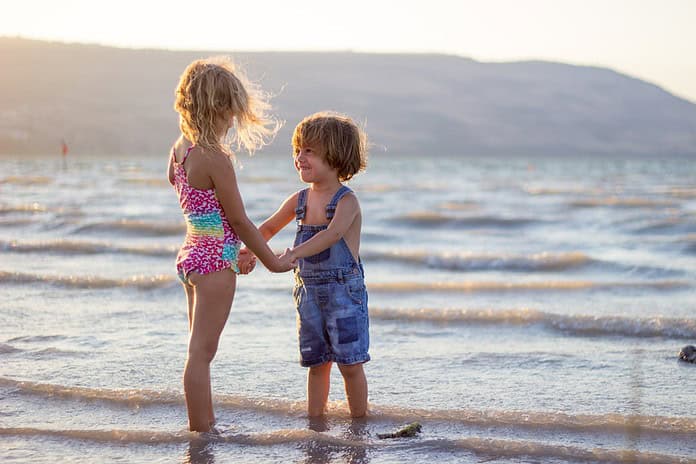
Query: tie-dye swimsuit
<point>210,244</point>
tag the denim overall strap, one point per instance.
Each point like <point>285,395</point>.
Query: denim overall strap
<point>331,207</point>
<point>301,209</point>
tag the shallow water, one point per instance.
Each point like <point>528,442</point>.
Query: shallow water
<point>522,311</point>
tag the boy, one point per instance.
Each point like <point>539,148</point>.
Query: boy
<point>330,292</point>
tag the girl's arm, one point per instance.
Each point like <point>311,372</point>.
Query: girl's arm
<point>280,218</point>
<point>347,210</point>
<point>226,189</point>
<point>170,167</point>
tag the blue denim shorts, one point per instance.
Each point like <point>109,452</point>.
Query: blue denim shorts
<point>332,320</point>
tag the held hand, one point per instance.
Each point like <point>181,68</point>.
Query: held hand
<point>287,261</point>
<point>246,261</point>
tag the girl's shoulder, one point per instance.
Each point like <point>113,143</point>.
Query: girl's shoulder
<point>180,148</point>
<point>206,157</point>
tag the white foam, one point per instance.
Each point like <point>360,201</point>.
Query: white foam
<point>578,324</point>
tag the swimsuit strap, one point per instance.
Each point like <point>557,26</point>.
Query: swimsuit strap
<point>331,207</point>
<point>188,150</point>
<point>301,205</point>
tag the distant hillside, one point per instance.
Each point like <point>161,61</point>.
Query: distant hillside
<point>114,101</point>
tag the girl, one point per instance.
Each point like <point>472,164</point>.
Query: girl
<point>211,98</point>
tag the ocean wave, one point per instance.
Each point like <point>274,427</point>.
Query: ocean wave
<point>473,262</point>
<point>37,338</point>
<point>618,202</point>
<point>493,286</point>
<point>379,188</point>
<point>430,219</point>
<point>689,243</point>
<point>575,324</point>
<point>459,205</point>
<point>681,192</point>
<point>93,282</point>
<point>504,448</point>
<point>562,191</point>
<point>135,227</point>
<point>488,447</point>
<point>26,180</point>
<point>104,436</point>
<point>80,247</point>
<point>278,437</point>
<point>25,208</point>
<point>7,349</point>
<point>593,423</point>
<point>671,225</point>
<point>52,353</point>
<point>15,222</point>
<point>261,179</point>
<point>147,181</point>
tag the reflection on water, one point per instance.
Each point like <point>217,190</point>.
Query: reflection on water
<point>633,433</point>
<point>199,451</point>
<point>317,451</point>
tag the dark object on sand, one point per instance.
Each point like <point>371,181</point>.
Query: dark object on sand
<point>688,354</point>
<point>411,430</point>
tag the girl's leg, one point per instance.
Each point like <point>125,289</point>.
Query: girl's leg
<point>318,380</point>
<point>356,388</point>
<point>213,299</point>
<point>191,301</point>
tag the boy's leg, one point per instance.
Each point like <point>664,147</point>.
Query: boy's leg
<point>213,299</point>
<point>356,388</point>
<point>318,380</point>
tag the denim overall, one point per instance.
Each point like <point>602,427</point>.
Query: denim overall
<point>330,297</point>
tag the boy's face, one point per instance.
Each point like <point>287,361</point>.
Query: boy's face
<point>311,165</point>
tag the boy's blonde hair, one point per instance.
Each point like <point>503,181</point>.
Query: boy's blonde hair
<point>212,89</point>
<point>343,142</point>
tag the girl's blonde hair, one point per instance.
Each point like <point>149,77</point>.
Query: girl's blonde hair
<point>212,90</point>
<point>344,143</point>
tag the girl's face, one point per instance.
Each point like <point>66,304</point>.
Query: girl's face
<point>311,165</point>
<point>224,124</point>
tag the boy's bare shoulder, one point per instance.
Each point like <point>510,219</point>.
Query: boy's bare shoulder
<point>293,196</point>
<point>349,200</point>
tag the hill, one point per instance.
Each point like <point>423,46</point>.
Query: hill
<point>113,101</point>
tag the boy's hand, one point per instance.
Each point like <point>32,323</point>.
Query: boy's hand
<point>287,260</point>
<point>246,261</point>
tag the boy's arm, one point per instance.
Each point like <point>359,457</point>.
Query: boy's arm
<point>280,218</point>
<point>347,210</point>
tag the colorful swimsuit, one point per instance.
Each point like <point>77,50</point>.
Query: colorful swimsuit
<point>210,244</point>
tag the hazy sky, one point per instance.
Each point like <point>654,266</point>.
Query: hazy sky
<point>653,40</point>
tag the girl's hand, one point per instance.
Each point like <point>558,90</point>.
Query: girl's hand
<point>287,261</point>
<point>246,261</point>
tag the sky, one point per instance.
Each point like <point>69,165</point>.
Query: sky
<point>654,40</point>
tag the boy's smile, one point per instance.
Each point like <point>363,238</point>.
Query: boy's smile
<point>311,164</point>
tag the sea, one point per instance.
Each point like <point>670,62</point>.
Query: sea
<point>522,310</point>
